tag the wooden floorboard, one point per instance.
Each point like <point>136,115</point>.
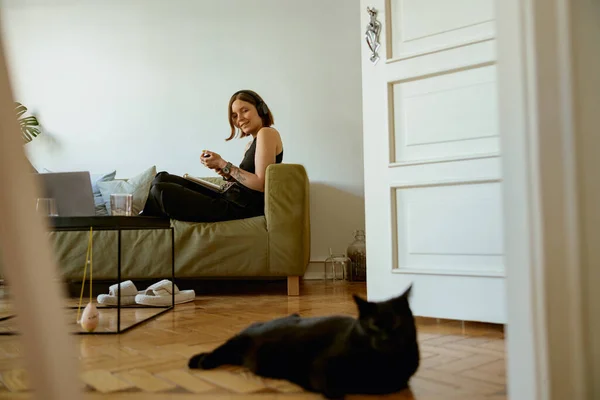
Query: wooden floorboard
<point>460,360</point>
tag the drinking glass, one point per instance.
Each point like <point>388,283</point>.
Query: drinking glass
<point>121,204</point>
<point>46,206</point>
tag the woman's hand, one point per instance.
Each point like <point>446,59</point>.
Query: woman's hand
<point>212,160</point>
<point>266,154</point>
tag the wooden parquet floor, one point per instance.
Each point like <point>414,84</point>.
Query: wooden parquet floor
<point>459,360</point>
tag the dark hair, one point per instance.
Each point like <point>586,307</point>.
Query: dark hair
<point>261,107</point>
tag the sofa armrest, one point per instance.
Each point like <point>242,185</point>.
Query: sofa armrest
<point>287,213</point>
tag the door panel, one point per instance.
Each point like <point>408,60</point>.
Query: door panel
<point>446,115</point>
<point>421,26</point>
<point>449,228</point>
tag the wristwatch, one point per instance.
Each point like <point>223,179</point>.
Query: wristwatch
<point>227,168</point>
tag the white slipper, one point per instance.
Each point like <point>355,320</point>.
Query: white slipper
<point>159,294</point>
<point>128,293</point>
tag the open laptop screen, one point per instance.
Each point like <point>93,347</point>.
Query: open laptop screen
<point>71,190</point>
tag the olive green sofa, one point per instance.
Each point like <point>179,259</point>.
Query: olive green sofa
<point>274,245</point>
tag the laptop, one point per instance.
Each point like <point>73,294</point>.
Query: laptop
<point>72,192</point>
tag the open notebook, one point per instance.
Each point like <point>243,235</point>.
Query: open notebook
<point>207,184</point>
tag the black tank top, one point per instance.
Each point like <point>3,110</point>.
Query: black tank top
<point>248,164</point>
<point>252,199</point>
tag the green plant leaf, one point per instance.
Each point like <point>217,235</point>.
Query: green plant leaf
<point>26,136</point>
<point>32,131</point>
<point>20,109</point>
<point>28,125</point>
<point>29,121</point>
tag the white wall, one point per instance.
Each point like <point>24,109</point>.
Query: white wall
<point>126,84</point>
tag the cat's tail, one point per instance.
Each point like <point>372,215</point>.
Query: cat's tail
<point>205,361</point>
<point>196,361</point>
<point>230,353</point>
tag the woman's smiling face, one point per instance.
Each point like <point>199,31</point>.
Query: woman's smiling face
<point>245,117</point>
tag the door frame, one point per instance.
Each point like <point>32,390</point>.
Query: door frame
<point>546,328</point>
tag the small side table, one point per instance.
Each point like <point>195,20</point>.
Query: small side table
<point>116,223</point>
<point>119,223</point>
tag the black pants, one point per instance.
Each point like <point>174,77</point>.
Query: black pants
<point>178,198</point>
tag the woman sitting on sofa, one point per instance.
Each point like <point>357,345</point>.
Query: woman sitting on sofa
<point>179,198</point>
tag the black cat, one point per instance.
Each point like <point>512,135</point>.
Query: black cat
<point>337,355</point>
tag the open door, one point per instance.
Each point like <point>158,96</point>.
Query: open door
<point>432,157</point>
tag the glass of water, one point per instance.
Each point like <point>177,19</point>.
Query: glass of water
<point>46,207</point>
<point>121,204</point>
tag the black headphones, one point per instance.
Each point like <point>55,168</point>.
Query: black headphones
<point>261,107</point>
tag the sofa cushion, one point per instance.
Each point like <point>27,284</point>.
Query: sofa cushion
<point>145,253</point>
<point>222,249</point>
<point>138,186</point>
<point>225,249</point>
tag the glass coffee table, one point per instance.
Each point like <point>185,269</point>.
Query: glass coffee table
<point>120,224</point>
<point>133,313</point>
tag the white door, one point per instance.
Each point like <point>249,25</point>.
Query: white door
<point>432,158</point>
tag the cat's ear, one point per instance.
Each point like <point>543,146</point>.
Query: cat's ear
<point>407,292</point>
<point>401,301</point>
<point>364,307</point>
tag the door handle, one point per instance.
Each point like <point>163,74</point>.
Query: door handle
<point>372,35</point>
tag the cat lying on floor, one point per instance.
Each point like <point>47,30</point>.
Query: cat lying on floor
<point>335,356</point>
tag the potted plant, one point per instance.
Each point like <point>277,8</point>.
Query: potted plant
<point>29,126</point>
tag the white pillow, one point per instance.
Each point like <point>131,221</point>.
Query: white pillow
<point>98,200</point>
<point>138,186</point>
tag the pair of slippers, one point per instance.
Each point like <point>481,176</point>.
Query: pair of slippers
<point>158,294</point>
